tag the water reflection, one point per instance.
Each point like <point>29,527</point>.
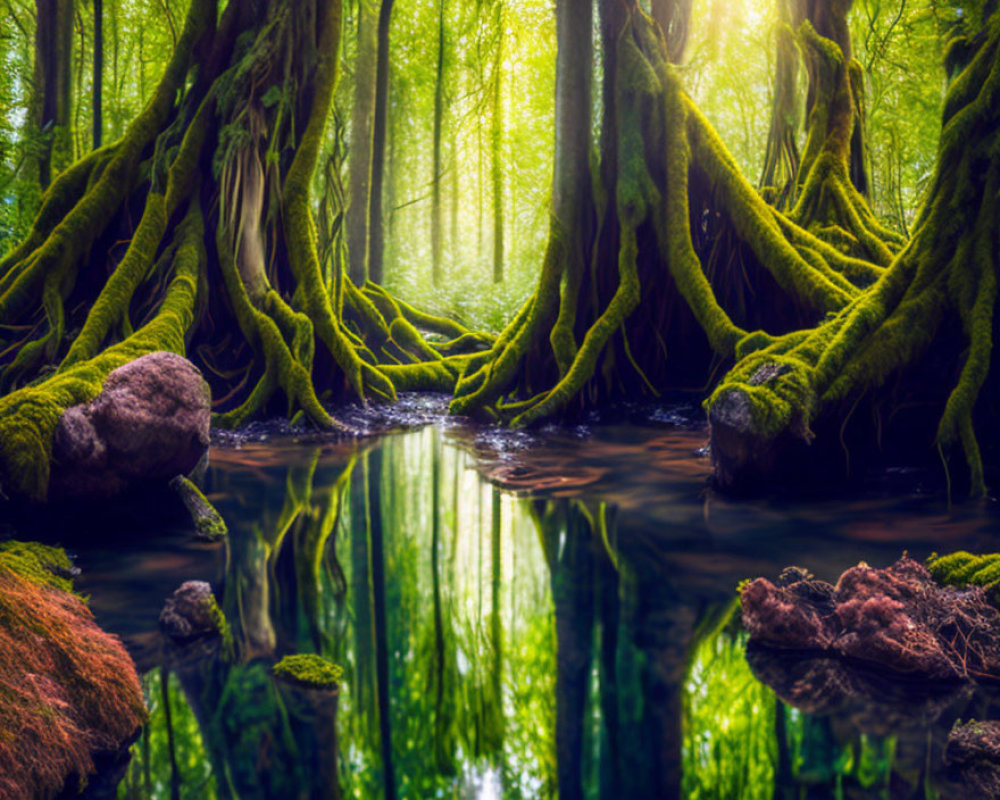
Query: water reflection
<point>579,642</point>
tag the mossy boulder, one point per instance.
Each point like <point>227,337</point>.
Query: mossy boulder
<point>70,697</point>
<point>149,424</point>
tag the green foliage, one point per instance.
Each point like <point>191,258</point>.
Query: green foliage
<point>149,774</point>
<point>729,745</point>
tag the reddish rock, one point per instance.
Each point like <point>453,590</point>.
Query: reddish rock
<point>896,619</point>
<point>781,618</point>
<point>149,424</point>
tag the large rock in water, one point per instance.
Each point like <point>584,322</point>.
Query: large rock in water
<point>149,423</point>
<point>896,619</point>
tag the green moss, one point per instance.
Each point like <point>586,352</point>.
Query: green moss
<point>312,671</point>
<point>220,624</point>
<point>208,522</point>
<point>965,569</point>
<point>38,563</point>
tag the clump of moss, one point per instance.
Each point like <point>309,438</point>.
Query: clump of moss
<point>310,671</point>
<point>966,569</point>
<point>38,563</point>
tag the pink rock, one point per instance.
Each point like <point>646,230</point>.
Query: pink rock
<point>149,424</point>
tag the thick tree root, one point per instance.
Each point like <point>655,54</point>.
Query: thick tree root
<point>948,269</point>
<point>663,140</point>
<point>285,319</point>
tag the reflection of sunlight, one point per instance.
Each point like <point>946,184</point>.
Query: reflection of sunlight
<point>485,785</point>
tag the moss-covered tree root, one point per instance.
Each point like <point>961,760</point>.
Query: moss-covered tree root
<point>946,274</point>
<point>665,178</point>
<point>222,262</point>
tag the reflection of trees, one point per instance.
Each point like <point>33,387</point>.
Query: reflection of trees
<point>857,731</point>
<point>543,652</point>
<point>621,616</point>
<point>264,737</point>
<point>390,563</point>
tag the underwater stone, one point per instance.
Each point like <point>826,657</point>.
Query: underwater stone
<point>150,423</point>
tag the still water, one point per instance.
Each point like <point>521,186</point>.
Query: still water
<point>517,616</point>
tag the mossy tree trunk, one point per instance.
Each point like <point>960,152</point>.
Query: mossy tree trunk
<point>210,188</point>
<point>936,297</point>
<point>663,261</point>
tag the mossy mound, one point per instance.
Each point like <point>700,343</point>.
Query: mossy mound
<point>68,690</point>
<point>310,671</point>
<point>965,569</point>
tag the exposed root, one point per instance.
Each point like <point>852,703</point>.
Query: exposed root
<point>947,269</point>
<point>258,311</point>
<point>663,141</point>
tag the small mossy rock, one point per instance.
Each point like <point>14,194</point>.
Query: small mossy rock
<point>309,671</point>
<point>70,698</point>
<point>209,524</point>
<point>192,612</point>
<point>149,423</point>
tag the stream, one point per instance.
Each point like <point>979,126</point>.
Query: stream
<point>517,616</point>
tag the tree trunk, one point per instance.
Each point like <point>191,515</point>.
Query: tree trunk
<point>98,108</point>
<point>496,147</point>
<point>781,156</point>
<point>932,307</point>
<point>436,220</point>
<point>238,285</point>
<point>673,17</point>
<point>665,251</point>
<point>53,84</point>
<point>376,251</point>
<point>360,159</point>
